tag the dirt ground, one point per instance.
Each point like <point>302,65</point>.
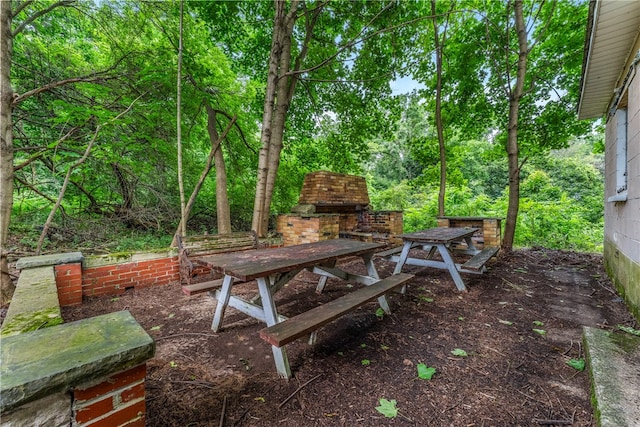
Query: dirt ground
<point>519,324</point>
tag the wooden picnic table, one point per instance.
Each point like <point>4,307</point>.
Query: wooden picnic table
<point>437,239</point>
<point>273,268</point>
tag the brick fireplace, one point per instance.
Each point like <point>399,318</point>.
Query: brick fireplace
<point>333,205</point>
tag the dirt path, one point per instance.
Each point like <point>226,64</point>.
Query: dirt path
<point>518,325</point>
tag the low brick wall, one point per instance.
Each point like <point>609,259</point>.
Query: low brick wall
<point>85,373</point>
<point>489,229</point>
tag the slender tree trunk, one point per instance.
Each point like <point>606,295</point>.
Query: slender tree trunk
<point>284,94</point>
<point>269,104</point>
<point>183,218</point>
<point>223,212</point>
<point>6,148</point>
<point>512,136</point>
<point>438,112</point>
<point>65,183</point>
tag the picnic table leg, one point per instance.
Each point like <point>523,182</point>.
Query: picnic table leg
<point>470,243</point>
<point>323,279</point>
<point>451,265</point>
<point>223,301</point>
<point>403,257</point>
<point>271,317</point>
<point>278,281</point>
<point>372,272</point>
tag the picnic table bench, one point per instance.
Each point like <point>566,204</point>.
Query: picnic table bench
<point>273,268</point>
<point>440,239</point>
<point>191,247</point>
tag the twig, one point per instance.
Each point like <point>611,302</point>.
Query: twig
<point>224,409</point>
<point>237,423</point>
<point>553,422</point>
<point>297,390</point>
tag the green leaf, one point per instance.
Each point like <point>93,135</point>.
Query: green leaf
<point>380,312</point>
<point>425,372</point>
<point>505,322</point>
<point>629,330</point>
<point>576,364</point>
<point>155,328</point>
<point>538,323</point>
<point>426,298</point>
<point>540,331</point>
<point>365,362</point>
<point>459,352</point>
<point>387,408</point>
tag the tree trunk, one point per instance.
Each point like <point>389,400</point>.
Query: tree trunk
<point>512,136</point>
<point>215,149</point>
<point>280,89</point>
<point>223,212</point>
<point>183,215</point>
<point>6,149</point>
<point>438,112</point>
<point>267,117</point>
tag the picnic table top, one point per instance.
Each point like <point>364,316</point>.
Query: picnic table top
<point>252,264</point>
<point>439,234</point>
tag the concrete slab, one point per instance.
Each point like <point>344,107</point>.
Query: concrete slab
<point>614,363</point>
<point>35,303</point>
<point>52,259</point>
<point>36,364</point>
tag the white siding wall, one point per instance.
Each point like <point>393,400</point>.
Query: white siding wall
<point>622,219</point>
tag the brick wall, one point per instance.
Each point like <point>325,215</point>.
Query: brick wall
<point>116,401</point>
<point>489,229</point>
<point>329,188</point>
<point>298,228</point>
<point>115,279</point>
<point>386,222</point>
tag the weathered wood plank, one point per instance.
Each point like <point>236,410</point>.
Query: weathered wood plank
<point>477,262</point>
<point>198,288</point>
<point>389,252</point>
<point>301,325</point>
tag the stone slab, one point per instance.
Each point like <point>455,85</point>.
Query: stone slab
<point>614,363</point>
<point>34,304</point>
<point>36,364</point>
<point>51,259</point>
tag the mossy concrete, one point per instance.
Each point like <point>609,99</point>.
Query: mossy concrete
<point>614,365</point>
<point>35,302</point>
<point>127,257</point>
<point>625,273</point>
<point>51,259</point>
<point>40,363</point>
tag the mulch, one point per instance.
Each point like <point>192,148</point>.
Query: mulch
<point>519,324</point>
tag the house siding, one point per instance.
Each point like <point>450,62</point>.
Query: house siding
<point>622,219</point>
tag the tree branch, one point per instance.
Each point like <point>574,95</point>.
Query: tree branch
<point>29,20</point>
<point>45,88</point>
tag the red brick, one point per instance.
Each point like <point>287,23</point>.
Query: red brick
<point>130,416</point>
<point>114,382</point>
<point>94,410</point>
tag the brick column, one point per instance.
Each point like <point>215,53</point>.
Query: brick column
<point>116,401</point>
<point>69,283</point>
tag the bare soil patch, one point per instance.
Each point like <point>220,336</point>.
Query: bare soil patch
<point>512,376</point>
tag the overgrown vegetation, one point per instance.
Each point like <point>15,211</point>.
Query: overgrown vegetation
<point>80,65</point>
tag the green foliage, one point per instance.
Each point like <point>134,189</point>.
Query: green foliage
<point>459,352</point>
<point>388,408</point>
<point>425,372</point>
<point>577,364</point>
